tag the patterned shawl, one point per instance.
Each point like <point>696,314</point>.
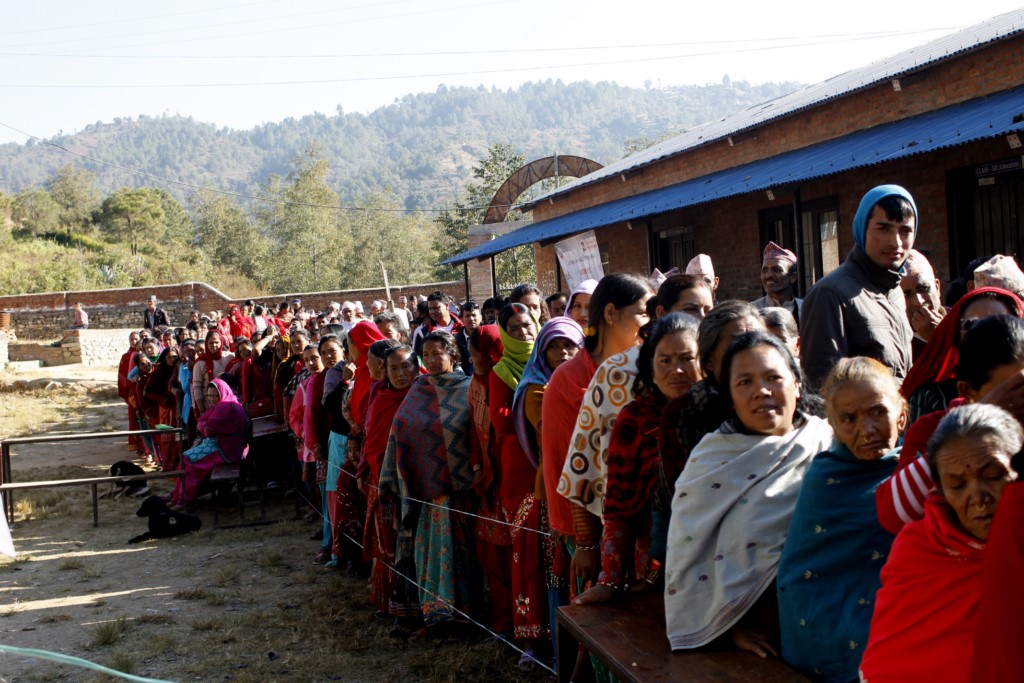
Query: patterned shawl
<point>829,571</point>
<point>633,458</point>
<point>429,449</point>
<point>538,371</point>
<point>730,514</point>
<point>583,477</point>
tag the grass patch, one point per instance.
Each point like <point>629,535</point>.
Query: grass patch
<point>227,575</point>
<point>193,593</point>
<point>267,558</point>
<point>216,599</point>
<point>214,624</point>
<point>71,563</point>
<point>125,662</point>
<point>108,633</point>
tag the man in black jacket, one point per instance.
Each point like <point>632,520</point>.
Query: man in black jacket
<point>154,318</point>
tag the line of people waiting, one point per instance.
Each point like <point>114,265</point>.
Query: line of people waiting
<point>826,480</point>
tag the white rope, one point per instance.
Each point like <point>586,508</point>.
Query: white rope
<point>442,507</point>
<point>391,567</point>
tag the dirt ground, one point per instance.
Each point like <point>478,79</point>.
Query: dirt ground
<point>231,604</point>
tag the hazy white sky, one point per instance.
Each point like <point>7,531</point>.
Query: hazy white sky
<point>237,63</point>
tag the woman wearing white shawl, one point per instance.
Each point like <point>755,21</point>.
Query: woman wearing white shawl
<point>734,500</point>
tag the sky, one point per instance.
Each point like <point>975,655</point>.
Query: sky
<point>65,64</point>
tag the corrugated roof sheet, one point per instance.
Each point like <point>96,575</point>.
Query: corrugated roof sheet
<point>985,117</point>
<point>997,28</point>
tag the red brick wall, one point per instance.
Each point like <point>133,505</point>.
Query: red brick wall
<point>728,230</point>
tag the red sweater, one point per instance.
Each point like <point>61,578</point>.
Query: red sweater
<point>562,400</point>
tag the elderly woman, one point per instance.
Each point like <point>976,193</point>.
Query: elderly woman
<point>430,458</point>
<point>835,535</point>
<point>224,427</point>
<point>926,610</point>
<point>990,369</point>
<point>734,500</point>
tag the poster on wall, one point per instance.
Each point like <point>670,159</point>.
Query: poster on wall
<point>580,258</point>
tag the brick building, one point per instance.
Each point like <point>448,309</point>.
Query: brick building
<point>945,120</point>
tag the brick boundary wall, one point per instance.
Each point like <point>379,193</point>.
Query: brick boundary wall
<point>49,315</point>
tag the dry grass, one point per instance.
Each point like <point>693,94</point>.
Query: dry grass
<point>240,604</point>
<point>24,413</point>
<point>109,632</point>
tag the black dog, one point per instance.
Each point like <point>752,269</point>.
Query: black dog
<point>163,521</point>
<point>126,487</point>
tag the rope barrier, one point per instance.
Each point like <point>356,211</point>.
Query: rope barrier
<point>444,507</point>
<point>391,567</point>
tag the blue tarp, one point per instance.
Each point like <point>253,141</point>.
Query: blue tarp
<point>986,117</point>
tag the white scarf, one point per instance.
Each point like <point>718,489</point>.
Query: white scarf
<point>730,515</point>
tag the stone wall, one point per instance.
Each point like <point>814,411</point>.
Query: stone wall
<point>4,357</point>
<point>89,347</point>
<point>46,316</point>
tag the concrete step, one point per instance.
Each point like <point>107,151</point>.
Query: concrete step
<point>16,365</point>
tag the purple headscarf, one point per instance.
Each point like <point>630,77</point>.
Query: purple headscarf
<point>537,371</point>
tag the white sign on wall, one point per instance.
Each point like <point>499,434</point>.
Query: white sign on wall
<point>580,258</point>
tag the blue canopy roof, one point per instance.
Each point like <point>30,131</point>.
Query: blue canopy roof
<point>985,117</point>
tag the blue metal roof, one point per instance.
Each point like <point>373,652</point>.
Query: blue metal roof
<point>995,29</point>
<point>977,119</point>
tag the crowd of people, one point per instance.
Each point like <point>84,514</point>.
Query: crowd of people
<point>827,480</point>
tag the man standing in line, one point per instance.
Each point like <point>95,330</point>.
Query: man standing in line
<point>153,317</point>
<point>778,277</point>
<point>858,309</point>
<point>922,292</point>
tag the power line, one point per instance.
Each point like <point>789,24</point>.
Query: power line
<point>441,53</point>
<point>282,29</point>
<point>241,195</point>
<point>356,79</point>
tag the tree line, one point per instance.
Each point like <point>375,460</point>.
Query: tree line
<point>298,235</point>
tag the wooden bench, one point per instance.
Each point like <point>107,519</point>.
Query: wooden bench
<point>7,489</point>
<point>628,636</point>
<point>226,473</point>
<point>6,473</point>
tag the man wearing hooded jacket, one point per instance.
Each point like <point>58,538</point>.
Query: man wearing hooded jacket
<point>859,309</point>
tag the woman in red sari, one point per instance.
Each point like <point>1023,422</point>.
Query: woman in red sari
<point>493,540</point>
<point>926,611</point>
<point>379,537</point>
<point>125,391</point>
<point>157,391</point>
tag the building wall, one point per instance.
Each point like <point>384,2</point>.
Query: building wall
<point>986,71</point>
<point>49,315</point>
<point>728,230</point>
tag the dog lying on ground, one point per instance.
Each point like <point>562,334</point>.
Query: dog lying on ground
<point>163,521</point>
<point>124,468</point>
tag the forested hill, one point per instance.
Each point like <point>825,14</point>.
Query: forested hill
<point>421,147</point>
